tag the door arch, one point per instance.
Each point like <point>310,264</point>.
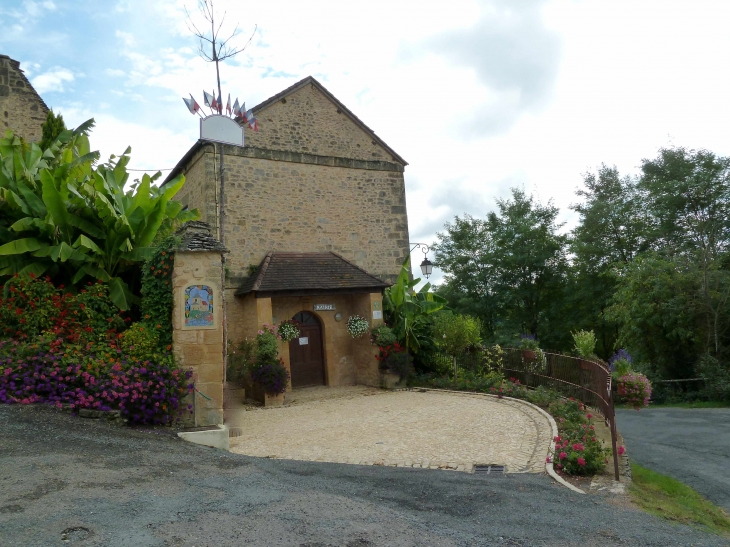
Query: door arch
<point>306,355</point>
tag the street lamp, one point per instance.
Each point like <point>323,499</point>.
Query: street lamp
<point>426,265</point>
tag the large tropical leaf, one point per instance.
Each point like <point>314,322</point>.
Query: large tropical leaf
<point>20,246</point>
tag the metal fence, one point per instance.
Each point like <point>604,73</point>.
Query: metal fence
<point>585,380</point>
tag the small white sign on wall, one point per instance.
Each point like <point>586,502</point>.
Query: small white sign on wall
<point>377,314</point>
<point>304,340</point>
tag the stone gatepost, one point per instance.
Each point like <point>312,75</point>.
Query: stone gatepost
<point>198,318</point>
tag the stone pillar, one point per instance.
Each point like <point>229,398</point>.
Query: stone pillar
<point>369,306</point>
<point>198,318</point>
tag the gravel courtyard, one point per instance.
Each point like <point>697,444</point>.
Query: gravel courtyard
<point>427,429</point>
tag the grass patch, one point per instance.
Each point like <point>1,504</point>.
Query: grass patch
<point>670,499</point>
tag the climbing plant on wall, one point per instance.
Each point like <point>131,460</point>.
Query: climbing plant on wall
<point>157,297</point>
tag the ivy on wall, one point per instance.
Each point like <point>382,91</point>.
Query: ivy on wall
<point>157,298</point>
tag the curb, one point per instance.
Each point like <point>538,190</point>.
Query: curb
<point>548,466</point>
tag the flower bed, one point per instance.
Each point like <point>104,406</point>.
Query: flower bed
<point>97,377</point>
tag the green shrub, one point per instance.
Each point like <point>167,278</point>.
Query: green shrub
<point>455,333</point>
<point>267,345</point>
<point>585,343</point>
<point>140,341</point>
<point>383,336</point>
<point>240,360</point>
<point>717,377</point>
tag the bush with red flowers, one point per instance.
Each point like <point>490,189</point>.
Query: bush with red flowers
<point>31,306</point>
<point>578,451</point>
<point>394,358</point>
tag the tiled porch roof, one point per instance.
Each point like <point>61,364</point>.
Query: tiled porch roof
<point>309,273</point>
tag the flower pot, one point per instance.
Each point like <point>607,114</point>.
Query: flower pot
<point>528,355</point>
<point>391,380</point>
<point>273,400</point>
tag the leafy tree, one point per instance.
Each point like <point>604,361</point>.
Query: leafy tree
<point>657,315</point>
<point>456,333</point>
<point>52,128</point>
<point>513,264</point>
<point>63,216</point>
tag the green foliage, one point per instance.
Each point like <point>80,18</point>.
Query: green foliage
<point>383,335</point>
<point>63,215</point>
<point>34,306</point>
<point>456,333</point>
<point>409,312</point>
<point>717,377</point>
<point>513,264</point>
<point>140,341</point>
<point>464,381</point>
<point>240,360</point>
<point>585,343</point>
<point>157,298</point>
<point>267,347</point>
<point>52,128</point>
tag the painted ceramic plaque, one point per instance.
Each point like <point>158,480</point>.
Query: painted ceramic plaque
<point>199,306</point>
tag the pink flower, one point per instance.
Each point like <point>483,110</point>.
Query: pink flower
<point>621,450</point>
<point>578,447</point>
<point>556,439</point>
<point>562,455</point>
<point>581,462</point>
<point>548,460</point>
<point>589,416</point>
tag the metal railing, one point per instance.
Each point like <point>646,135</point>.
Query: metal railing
<point>585,380</point>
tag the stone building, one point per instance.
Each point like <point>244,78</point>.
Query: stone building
<point>21,108</point>
<point>314,218</point>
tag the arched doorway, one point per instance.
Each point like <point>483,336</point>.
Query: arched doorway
<point>306,358</point>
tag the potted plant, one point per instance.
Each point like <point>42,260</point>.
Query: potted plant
<point>395,364</point>
<point>288,330</point>
<point>357,326</point>
<point>528,345</point>
<point>585,345</point>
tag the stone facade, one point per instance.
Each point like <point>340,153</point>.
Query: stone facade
<point>347,361</point>
<point>21,108</point>
<point>311,180</point>
<point>314,179</point>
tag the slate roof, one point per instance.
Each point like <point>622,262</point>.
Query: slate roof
<point>196,236</point>
<point>309,273</point>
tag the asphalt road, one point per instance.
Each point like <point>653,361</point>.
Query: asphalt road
<point>690,444</point>
<point>92,483</point>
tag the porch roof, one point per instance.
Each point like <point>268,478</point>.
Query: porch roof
<point>308,273</point>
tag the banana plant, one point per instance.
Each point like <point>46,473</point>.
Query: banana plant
<point>409,310</point>
<point>64,216</point>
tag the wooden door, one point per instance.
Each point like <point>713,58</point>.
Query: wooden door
<point>306,358</point>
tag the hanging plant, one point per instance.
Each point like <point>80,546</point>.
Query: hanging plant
<point>357,326</point>
<point>289,330</point>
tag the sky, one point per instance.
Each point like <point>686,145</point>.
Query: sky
<point>478,96</point>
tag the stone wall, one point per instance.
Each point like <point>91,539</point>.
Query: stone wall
<point>21,108</point>
<point>201,188</point>
<point>200,349</point>
<point>347,361</point>
<point>286,206</point>
<point>308,121</point>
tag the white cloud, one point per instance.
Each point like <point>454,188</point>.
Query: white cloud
<point>126,37</point>
<point>53,80</point>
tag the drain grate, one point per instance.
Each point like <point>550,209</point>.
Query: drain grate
<point>489,469</point>
<point>235,432</point>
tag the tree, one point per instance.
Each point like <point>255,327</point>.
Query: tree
<point>63,216</point>
<point>52,128</point>
<point>456,333</point>
<point>513,264</point>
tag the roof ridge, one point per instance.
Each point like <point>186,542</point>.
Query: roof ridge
<point>262,271</point>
